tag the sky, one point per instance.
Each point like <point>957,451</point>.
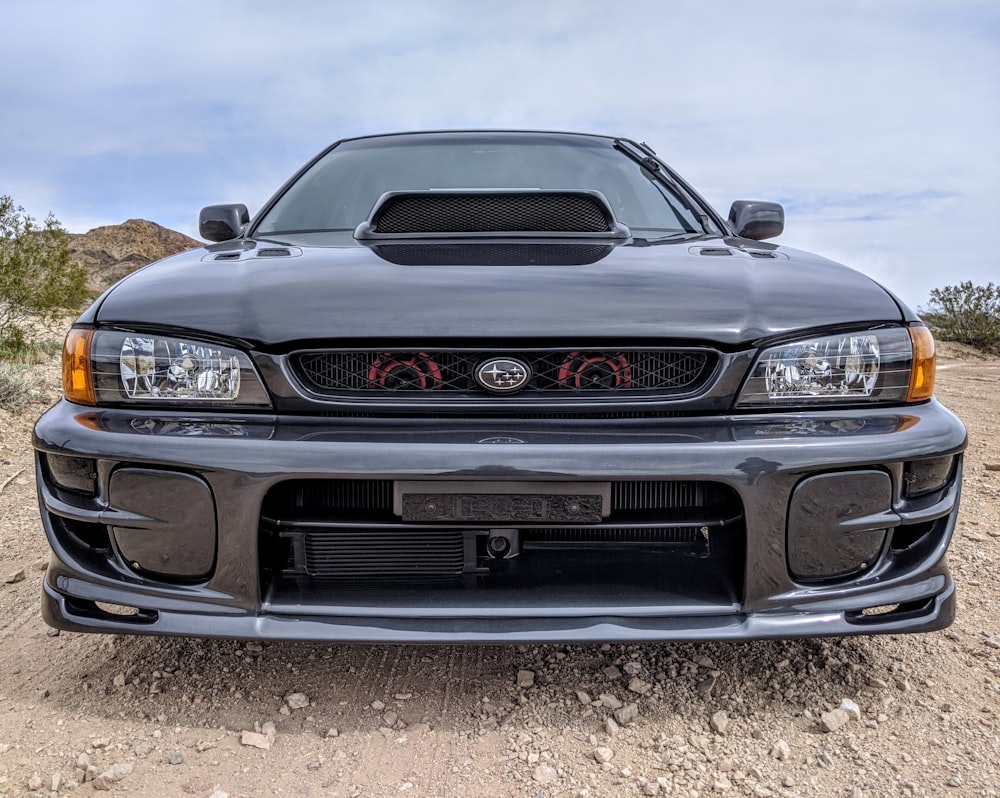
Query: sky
<point>875,122</point>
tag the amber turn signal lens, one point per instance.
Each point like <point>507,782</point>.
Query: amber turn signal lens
<point>78,382</point>
<point>922,370</point>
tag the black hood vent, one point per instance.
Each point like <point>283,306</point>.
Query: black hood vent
<point>715,252</point>
<point>515,213</point>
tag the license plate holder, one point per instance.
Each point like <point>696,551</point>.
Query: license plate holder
<point>492,503</point>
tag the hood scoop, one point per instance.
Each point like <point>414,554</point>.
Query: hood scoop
<point>493,253</point>
<point>508,213</point>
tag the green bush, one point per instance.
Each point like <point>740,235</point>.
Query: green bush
<point>37,277</point>
<point>967,313</point>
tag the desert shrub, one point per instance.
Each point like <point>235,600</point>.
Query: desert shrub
<point>967,313</point>
<point>20,385</point>
<point>38,280</point>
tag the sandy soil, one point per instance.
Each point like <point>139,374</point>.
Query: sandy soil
<point>168,717</point>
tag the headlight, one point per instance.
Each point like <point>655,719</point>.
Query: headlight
<point>110,367</point>
<point>886,365</point>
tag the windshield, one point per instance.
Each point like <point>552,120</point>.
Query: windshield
<point>338,192</point>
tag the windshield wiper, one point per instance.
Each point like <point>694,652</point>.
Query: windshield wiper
<point>680,235</point>
<point>654,167</point>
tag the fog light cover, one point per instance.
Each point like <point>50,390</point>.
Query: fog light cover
<point>873,365</point>
<point>926,476</point>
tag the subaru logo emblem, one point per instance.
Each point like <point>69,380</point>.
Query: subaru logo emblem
<point>503,375</point>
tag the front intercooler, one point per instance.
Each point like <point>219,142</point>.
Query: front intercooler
<point>358,534</point>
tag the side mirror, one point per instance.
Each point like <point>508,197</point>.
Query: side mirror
<point>756,220</point>
<point>222,222</point>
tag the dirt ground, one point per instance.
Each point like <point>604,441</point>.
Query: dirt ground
<point>170,717</point>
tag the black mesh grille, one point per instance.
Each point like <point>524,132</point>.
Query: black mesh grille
<point>678,535</point>
<point>483,212</point>
<point>567,372</point>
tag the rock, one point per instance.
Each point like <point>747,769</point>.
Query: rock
<point>112,775</point>
<point>722,784</point>
<point>377,705</point>
<point>332,732</point>
<point>254,647</point>
<point>269,731</point>
<point>626,714</point>
<point>525,678</point>
<point>611,726</point>
<point>632,668</point>
<point>612,672</point>
<point>610,701</point>
<point>706,685</point>
<point>545,773</point>
<point>16,576</point>
<point>781,751</point>
<point>40,565</point>
<point>720,722</point>
<point>637,685</point>
<point>583,697</point>
<point>390,718</point>
<point>833,720</point>
<point>603,754</point>
<point>176,758</point>
<point>297,700</point>
<point>255,740</point>
<point>55,781</point>
<point>35,782</point>
<point>651,788</point>
<point>851,708</point>
<point>119,680</point>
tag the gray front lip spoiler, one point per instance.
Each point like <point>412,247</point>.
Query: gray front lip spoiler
<point>936,611</point>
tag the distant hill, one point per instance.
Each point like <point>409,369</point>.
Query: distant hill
<point>109,253</point>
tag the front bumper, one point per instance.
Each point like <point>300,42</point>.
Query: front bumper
<point>763,459</point>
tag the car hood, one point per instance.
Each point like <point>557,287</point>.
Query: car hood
<point>729,291</point>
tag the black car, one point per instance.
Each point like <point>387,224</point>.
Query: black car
<point>497,386</point>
